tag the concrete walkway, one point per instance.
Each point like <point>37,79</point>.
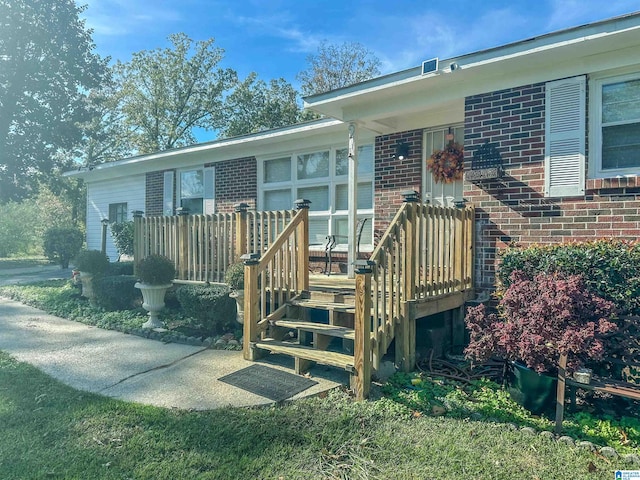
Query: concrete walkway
<point>129,367</point>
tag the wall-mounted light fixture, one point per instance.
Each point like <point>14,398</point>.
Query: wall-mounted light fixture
<point>402,150</point>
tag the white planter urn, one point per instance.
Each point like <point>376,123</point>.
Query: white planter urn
<point>153,302</point>
<point>238,295</point>
<point>87,285</point>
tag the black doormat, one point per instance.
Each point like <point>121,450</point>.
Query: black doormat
<point>268,382</point>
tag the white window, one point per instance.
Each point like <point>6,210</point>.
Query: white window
<point>615,105</point>
<point>322,177</point>
<point>196,190</point>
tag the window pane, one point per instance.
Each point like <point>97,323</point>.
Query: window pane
<point>621,146</point>
<point>278,170</point>
<point>621,101</point>
<point>318,230</point>
<point>342,230</point>
<point>193,204</point>
<point>192,184</point>
<point>117,212</point>
<point>365,197</point>
<point>313,165</point>
<point>342,161</point>
<point>278,200</point>
<point>319,197</point>
<point>365,160</point>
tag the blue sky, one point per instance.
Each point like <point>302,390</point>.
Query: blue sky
<point>274,37</point>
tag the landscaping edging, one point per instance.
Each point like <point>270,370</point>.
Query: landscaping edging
<point>224,342</point>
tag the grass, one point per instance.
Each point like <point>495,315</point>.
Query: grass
<point>51,431</point>
<point>22,262</point>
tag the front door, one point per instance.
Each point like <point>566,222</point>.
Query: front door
<point>439,193</point>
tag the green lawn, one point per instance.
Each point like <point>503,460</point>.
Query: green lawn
<point>22,262</point>
<point>50,431</point>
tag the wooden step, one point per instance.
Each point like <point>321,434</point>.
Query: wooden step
<point>322,357</point>
<point>322,328</point>
<point>320,305</point>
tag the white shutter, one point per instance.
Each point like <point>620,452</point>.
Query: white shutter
<point>209,190</point>
<point>167,194</point>
<point>564,161</point>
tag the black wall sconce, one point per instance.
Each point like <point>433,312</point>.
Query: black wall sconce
<point>402,150</point>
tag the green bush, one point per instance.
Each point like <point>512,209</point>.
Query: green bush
<point>116,292</point>
<point>122,234</point>
<point>62,244</point>
<point>209,306</point>
<point>91,261</point>
<point>234,276</point>
<point>611,268</point>
<point>156,270</point>
<point>120,268</point>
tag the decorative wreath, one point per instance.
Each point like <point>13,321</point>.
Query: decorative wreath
<point>447,165</point>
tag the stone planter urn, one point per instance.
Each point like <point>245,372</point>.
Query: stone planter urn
<point>86,279</point>
<point>238,295</point>
<point>153,302</point>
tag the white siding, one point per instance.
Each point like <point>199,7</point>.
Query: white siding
<point>99,195</point>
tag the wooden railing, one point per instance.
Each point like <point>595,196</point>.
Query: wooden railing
<point>426,255</point>
<point>203,246</point>
<point>273,278</point>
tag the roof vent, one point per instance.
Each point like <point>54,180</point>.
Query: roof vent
<point>430,66</point>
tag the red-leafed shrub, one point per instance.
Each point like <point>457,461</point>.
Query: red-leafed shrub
<point>538,319</point>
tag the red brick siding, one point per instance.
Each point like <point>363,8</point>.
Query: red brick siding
<point>394,176</point>
<point>236,182</point>
<point>514,208</point>
<point>154,193</point>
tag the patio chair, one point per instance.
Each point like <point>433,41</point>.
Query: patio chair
<point>333,240</point>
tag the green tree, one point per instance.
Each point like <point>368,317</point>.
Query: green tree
<point>166,93</point>
<point>336,66</point>
<point>47,65</point>
<point>255,105</point>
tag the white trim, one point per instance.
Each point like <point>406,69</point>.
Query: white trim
<point>596,83</point>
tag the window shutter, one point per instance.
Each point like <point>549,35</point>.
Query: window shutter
<point>564,162</point>
<point>209,190</point>
<point>167,194</point>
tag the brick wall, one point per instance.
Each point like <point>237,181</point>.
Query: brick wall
<point>236,182</point>
<point>154,192</point>
<point>394,176</point>
<point>514,208</point>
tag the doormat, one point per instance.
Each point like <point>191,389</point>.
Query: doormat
<point>268,382</point>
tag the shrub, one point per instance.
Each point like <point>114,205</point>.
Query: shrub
<point>611,268</point>
<point>122,234</point>
<point>209,305</point>
<point>234,276</point>
<point>120,268</point>
<point>116,292</point>
<point>62,244</point>
<point>156,270</point>
<point>540,318</point>
<point>91,261</point>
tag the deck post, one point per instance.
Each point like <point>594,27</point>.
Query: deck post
<point>240,210</point>
<point>361,379</point>
<point>138,236</point>
<point>251,331</point>
<point>302,274</point>
<point>406,333</point>
<point>183,244</point>
<point>560,392</point>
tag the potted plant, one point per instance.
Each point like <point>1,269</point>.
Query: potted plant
<point>90,263</point>
<point>234,277</point>
<point>155,274</point>
<point>535,321</point>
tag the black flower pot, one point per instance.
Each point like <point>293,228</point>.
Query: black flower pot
<point>534,391</point>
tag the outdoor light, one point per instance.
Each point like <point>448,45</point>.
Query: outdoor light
<point>402,150</point>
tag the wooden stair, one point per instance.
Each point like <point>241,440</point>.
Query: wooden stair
<point>313,339</point>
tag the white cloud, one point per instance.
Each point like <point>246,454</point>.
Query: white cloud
<point>122,17</point>
<point>570,13</point>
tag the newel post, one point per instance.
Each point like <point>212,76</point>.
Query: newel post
<point>406,335</point>
<point>251,314</point>
<point>240,210</point>
<point>361,379</point>
<point>302,205</point>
